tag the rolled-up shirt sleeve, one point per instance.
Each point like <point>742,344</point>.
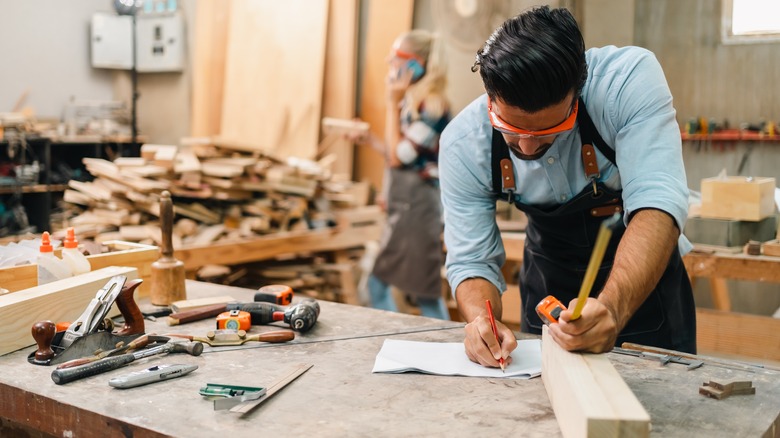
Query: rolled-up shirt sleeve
<point>648,144</point>
<point>472,238</point>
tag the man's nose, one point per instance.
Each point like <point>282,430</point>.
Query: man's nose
<point>526,145</point>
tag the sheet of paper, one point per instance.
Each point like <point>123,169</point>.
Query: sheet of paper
<point>449,359</point>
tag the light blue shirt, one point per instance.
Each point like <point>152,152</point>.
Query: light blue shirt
<point>629,101</point>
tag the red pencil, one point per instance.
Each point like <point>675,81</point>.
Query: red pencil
<point>495,330</point>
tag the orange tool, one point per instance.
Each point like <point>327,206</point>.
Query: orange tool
<point>549,309</point>
<point>275,293</point>
<point>234,320</point>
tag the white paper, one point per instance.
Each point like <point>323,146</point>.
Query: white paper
<point>449,359</point>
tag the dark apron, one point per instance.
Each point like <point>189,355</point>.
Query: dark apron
<point>559,242</point>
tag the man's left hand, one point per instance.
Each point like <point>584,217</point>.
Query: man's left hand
<point>595,331</point>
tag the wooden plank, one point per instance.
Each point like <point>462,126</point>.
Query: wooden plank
<point>386,20</point>
<point>15,278</point>
<point>209,50</point>
<point>62,300</point>
<point>341,74</point>
<point>733,266</point>
<point>738,334</point>
<point>273,76</point>
<point>719,290</point>
<point>589,397</point>
<point>266,247</point>
<point>771,248</point>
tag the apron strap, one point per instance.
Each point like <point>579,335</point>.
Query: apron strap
<point>503,172</point>
<point>590,136</point>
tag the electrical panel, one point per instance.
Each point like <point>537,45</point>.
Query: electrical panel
<point>160,39</point>
<point>111,41</point>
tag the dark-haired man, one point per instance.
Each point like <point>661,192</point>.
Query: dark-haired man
<point>569,137</point>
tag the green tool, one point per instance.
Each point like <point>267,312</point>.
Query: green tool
<point>227,396</point>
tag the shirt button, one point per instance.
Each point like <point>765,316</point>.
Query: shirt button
<point>563,197</point>
<point>550,160</point>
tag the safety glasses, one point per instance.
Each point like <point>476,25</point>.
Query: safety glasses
<point>508,129</point>
<point>407,55</point>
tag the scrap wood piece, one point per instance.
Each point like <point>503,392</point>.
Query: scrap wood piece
<point>589,397</point>
<point>62,300</point>
<point>719,390</point>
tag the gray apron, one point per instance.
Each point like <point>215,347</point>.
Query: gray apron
<point>411,250</point>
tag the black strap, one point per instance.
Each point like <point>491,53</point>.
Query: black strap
<point>590,135</point>
<point>499,151</point>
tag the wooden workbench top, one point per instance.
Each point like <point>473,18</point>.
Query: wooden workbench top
<point>339,396</point>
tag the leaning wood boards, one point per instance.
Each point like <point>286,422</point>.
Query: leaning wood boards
<point>62,300</point>
<point>589,397</point>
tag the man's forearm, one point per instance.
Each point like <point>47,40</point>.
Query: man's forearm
<point>471,295</point>
<point>640,261</point>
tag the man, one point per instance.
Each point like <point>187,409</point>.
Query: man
<point>550,109</point>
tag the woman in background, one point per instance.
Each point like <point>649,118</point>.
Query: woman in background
<point>411,256</point>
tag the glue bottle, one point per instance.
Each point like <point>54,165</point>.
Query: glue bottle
<point>72,256</point>
<point>50,267</point>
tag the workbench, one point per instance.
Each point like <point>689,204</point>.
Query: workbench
<point>719,330</point>
<point>339,396</point>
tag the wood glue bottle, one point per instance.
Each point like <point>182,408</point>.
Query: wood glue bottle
<point>50,267</point>
<point>72,256</point>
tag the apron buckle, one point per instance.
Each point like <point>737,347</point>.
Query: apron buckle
<point>510,195</point>
<point>595,189</point>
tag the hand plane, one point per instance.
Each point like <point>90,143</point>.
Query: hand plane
<point>91,332</point>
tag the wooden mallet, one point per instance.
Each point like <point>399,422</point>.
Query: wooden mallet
<point>167,272</point>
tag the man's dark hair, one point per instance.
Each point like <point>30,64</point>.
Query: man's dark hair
<point>534,60</point>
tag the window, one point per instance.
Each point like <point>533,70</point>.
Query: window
<point>750,21</point>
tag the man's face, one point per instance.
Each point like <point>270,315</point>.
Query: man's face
<point>530,135</point>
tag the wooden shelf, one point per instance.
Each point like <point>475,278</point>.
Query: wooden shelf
<point>730,135</point>
<point>34,188</point>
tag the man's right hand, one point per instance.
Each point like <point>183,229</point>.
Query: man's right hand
<point>481,345</point>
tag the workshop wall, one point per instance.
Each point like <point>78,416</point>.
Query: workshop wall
<point>46,53</point>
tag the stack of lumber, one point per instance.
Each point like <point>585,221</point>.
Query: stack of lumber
<point>220,195</point>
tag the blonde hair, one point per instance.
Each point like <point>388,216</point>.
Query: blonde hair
<point>429,90</point>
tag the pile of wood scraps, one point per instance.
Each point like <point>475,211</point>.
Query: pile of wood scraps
<point>219,195</point>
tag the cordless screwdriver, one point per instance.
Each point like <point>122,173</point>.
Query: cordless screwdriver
<point>301,317</point>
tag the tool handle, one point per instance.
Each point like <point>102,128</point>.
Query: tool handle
<point>166,224</point>
<point>43,332</point>
<point>273,337</point>
<point>261,313</point>
<point>134,319</point>
<point>62,376</point>
<point>602,241</point>
<point>197,314</point>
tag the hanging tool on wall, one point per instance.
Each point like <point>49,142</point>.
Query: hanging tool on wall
<point>92,332</point>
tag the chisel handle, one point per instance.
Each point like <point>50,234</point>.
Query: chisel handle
<point>65,375</point>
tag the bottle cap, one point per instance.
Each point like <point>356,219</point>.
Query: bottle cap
<point>70,239</point>
<point>46,242</point>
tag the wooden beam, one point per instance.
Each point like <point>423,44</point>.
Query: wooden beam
<point>589,397</point>
<point>263,248</point>
<point>738,334</point>
<point>208,66</point>
<point>733,266</point>
<point>62,300</point>
<point>341,74</point>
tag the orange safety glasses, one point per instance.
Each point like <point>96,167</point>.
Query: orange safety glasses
<point>514,131</point>
<point>408,55</point>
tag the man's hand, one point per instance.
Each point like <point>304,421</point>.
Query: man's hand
<point>481,345</point>
<point>595,331</point>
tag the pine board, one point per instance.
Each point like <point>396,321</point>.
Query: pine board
<point>273,76</point>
